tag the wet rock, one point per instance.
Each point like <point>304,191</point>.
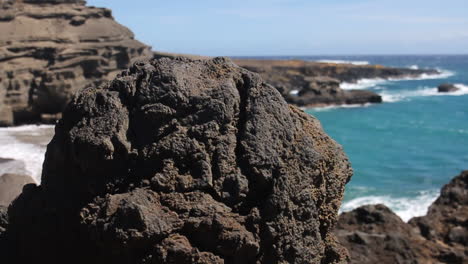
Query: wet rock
<point>50,49</point>
<point>447,87</point>
<point>184,161</point>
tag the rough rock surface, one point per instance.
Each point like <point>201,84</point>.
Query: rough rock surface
<point>183,161</point>
<point>11,185</point>
<point>374,234</point>
<point>447,87</point>
<point>446,222</point>
<point>315,84</point>
<point>50,49</point>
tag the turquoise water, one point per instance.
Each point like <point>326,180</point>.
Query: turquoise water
<point>404,150</point>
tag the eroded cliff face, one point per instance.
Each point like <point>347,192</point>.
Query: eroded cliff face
<point>49,50</point>
<point>374,234</point>
<point>183,161</point>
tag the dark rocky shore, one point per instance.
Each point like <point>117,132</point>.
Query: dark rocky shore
<point>374,234</point>
<point>318,84</point>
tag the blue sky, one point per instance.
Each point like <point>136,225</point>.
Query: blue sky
<point>296,27</point>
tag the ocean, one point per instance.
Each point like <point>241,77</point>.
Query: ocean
<point>402,151</point>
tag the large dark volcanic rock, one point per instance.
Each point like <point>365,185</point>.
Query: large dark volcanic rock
<point>374,234</point>
<point>182,161</point>
<point>50,49</point>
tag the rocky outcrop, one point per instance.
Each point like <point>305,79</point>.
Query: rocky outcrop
<point>316,84</point>
<point>11,185</point>
<point>446,222</point>
<point>183,161</point>
<point>447,87</point>
<point>374,234</point>
<point>322,91</point>
<point>50,49</point>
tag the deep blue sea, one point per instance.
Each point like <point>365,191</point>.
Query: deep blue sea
<point>404,150</point>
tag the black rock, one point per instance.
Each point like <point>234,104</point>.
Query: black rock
<point>447,87</point>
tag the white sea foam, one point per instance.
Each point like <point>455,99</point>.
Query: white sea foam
<point>372,83</point>
<point>26,144</point>
<point>345,62</point>
<point>406,208</point>
<point>294,92</point>
<point>443,74</point>
<point>331,107</point>
<point>414,67</point>
<point>391,96</point>
<point>362,84</point>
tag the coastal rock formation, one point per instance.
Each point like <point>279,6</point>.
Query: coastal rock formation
<point>50,49</point>
<point>374,234</point>
<point>447,87</point>
<point>11,185</point>
<point>317,91</point>
<point>183,161</point>
<point>446,222</point>
<point>318,83</point>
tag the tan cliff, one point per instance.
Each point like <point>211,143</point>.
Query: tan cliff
<point>51,49</point>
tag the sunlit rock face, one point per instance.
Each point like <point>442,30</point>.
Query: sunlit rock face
<point>49,50</point>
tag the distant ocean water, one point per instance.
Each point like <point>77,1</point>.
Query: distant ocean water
<point>402,151</point>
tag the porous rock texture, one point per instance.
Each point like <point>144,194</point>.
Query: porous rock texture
<point>446,222</point>
<point>374,234</point>
<point>183,161</point>
<point>50,49</point>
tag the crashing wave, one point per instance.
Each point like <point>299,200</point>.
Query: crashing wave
<point>371,83</point>
<point>404,207</point>
<point>26,144</point>
<point>391,97</point>
<point>345,62</point>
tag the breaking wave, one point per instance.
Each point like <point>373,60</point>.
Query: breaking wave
<point>332,107</point>
<point>345,62</point>
<point>27,146</point>
<point>390,96</point>
<point>370,83</point>
<point>406,208</point>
